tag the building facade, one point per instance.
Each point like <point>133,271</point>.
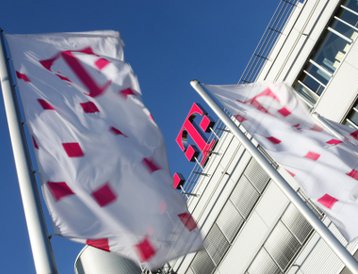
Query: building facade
<point>248,224</point>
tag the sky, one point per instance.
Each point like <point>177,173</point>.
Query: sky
<point>167,43</point>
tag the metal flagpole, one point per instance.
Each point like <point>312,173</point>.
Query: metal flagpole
<point>327,125</point>
<point>321,229</point>
<point>40,243</point>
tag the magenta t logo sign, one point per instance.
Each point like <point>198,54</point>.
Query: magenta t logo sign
<point>197,135</point>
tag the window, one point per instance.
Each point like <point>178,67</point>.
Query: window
<point>352,117</point>
<point>329,52</point>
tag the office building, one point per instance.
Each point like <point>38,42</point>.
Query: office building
<point>248,224</point>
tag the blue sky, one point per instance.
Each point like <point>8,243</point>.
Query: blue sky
<point>168,43</point>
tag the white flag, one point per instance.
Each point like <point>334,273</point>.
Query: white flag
<point>326,167</point>
<point>101,156</point>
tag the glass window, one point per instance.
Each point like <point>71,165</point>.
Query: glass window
<point>329,52</point>
<point>322,75</point>
<point>351,4</point>
<point>308,94</point>
<point>312,83</point>
<point>352,117</point>
<point>344,29</point>
<point>348,16</point>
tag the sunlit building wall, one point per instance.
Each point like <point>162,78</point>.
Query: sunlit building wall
<point>248,224</point>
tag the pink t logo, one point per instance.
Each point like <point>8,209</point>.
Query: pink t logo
<point>189,128</point>
<point>78,69</point>
<point>253,101</point>
<point>267,93</point>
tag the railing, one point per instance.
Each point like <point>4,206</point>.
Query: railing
<point>257,61</point>
<point>268,40</point>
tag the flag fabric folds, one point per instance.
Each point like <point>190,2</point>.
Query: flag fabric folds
<point>323,164</point>
<point>100,154</point>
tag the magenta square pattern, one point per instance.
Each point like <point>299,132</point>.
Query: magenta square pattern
<point>45,105</point>
<point>327,200</point>
<point>73,150</point>
<point>104,195</point>
<point>150,165</point>
<point>334,142</point>
<point>59,190</point>
<point>274,140</point>
<point>145,250</point>
<point>284,112</point>
<point>312,156</point>
<point>188,221</point>
<point>101,63</point>
<point>89,107</point>
<point>126,92</point>
<point>116,131</point>
<point>353,173</point>
<point>99,243</point>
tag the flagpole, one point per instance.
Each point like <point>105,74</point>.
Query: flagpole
<point>324,123</point>
<point>316,223</point>
<point>40,243</point>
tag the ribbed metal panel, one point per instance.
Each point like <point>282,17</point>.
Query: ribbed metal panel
<point>202,263</point>
<point>244,196</point>
<point>282,245</point>
<point>297,224</point>
<point>256,175</point>
<point>263,264</point>
<point>216,244</point>
<point>229,221</point>
<point>189,271</point>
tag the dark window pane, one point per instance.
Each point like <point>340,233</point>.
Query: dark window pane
<point>304,92</point>
<point>353,116</point>
<point>352,4</point>
<point>312,84</point>
<point>330,52</point>
<point>320,75</point>
<point>348,17</point>
<point>344,29</point>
